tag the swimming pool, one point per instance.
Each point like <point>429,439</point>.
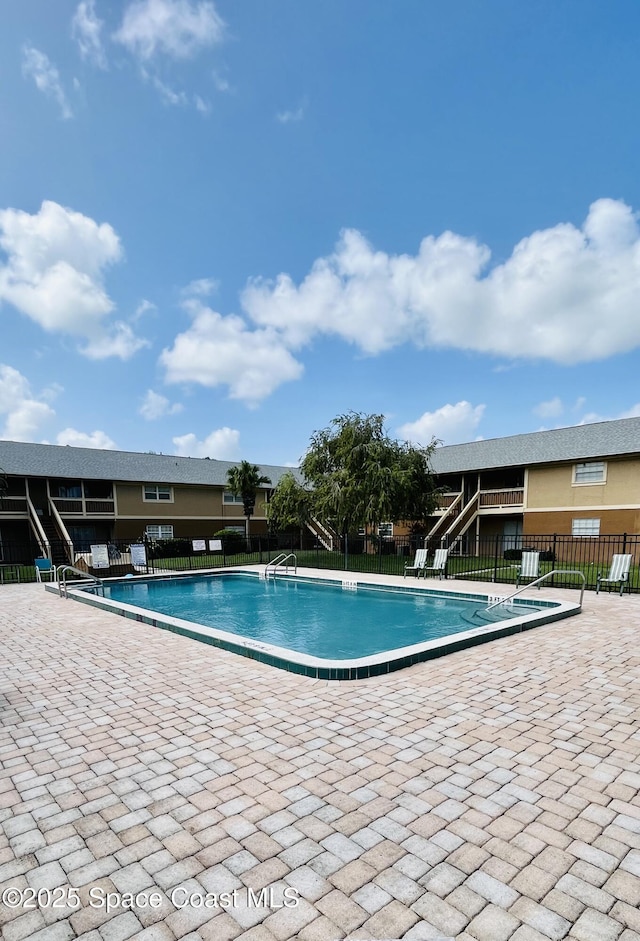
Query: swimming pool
<point>330,627</point>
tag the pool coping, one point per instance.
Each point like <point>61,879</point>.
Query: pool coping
<point>316,667</point>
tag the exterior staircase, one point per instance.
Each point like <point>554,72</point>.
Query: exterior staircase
<point>462,520</point>
<point>58,554</point>
<point>325,534</point>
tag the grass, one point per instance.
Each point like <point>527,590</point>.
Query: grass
<point>481,568</point>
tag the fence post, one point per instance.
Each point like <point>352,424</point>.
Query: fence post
<point>495,559</point>
<point>624,543</point>
<point>553,561</point>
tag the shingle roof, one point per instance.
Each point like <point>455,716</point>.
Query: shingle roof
<point>50,460</point>
<point>577,443</point>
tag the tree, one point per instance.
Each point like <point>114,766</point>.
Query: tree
<point>290,504</point>
<point>360,477</point>
<point>243,481</point>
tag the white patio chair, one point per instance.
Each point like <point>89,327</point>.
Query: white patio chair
<point>439,565</point>
<point>619,572</point>
<point>418,563</point>
<point>529,568</point>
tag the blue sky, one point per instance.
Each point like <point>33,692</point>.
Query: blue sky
<point>221,225</point>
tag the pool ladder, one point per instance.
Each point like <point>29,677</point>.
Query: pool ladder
<point>92,580</point>
<point>281,560</point>
<point>537,582</point>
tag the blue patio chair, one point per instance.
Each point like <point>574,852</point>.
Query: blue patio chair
<point>44,570</point>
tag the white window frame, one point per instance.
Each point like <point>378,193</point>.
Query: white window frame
<point>385,530</point>
<point>151,493</point>
<point>236,529</point>
<point>587,473</point>
<point>159,531</point>
<point>585,527</point>
<point>231,499</point>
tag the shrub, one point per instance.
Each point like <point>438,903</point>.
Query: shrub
<point>171,549</point>
<point>232,540</point>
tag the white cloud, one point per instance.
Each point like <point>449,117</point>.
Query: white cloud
<point>590,417</point>
<point>54,273</point>
<point>451,424</point>
<point>144,307</point>
<point>168,95</point>
<point>201,287</point>
<point>175,28</point>
<point>80,439</point>
<point>565,294</point>
<point>86,29</point>
<point>201,105</point>
<point>222,444</point>
<point>291,117</point>
<point>218,350</point>
<point>38,66</point>
<point>119,340</point>
<point>24,413</point>
<point>157,406</point>
<point>551,409</point>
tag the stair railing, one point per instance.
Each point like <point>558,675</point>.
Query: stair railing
<point>281,560</point>
<point>538,581</point>
<point>36,525</point>
<point>63,570</point>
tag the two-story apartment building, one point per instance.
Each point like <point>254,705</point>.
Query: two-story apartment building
<point>578,481</point>
<point>582,481</point>
<point>73,497</point>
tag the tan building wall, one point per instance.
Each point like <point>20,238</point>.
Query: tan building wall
<point>194,502</point>
<point>612,522</point>
<point>550,487</point>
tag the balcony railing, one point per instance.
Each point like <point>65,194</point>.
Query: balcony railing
<point>13,505</point>
<point>84,506</point>
<point>511,497</point>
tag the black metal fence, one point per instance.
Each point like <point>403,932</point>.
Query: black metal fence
<point>492,559</point>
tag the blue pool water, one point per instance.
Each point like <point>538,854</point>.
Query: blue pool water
<point>315,618</point>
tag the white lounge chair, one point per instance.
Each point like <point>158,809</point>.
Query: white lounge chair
<point>619,572</point>
<point>418,563</point>
<point>530,567</point>
<point>439,565</point>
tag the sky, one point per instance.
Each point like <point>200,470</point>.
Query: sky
<point>224,224</point>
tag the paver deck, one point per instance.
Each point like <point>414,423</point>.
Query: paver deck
<point>492,794</point>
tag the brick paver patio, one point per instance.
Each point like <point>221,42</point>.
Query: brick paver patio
<point>491,795</point>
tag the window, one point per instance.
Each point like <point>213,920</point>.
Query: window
<point>585,527</point>
<point>158,492</point>
<point>385,530</point>
<point>591,472</point>
<point>70,491</point>
<point>228,497</point>
<point>160,531</point>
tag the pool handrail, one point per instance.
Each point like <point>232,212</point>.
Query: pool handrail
<point>541,579</point>
<point>62,580</point>
<point>281,559</point>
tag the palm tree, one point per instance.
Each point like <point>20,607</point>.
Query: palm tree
<point>243,481</point>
